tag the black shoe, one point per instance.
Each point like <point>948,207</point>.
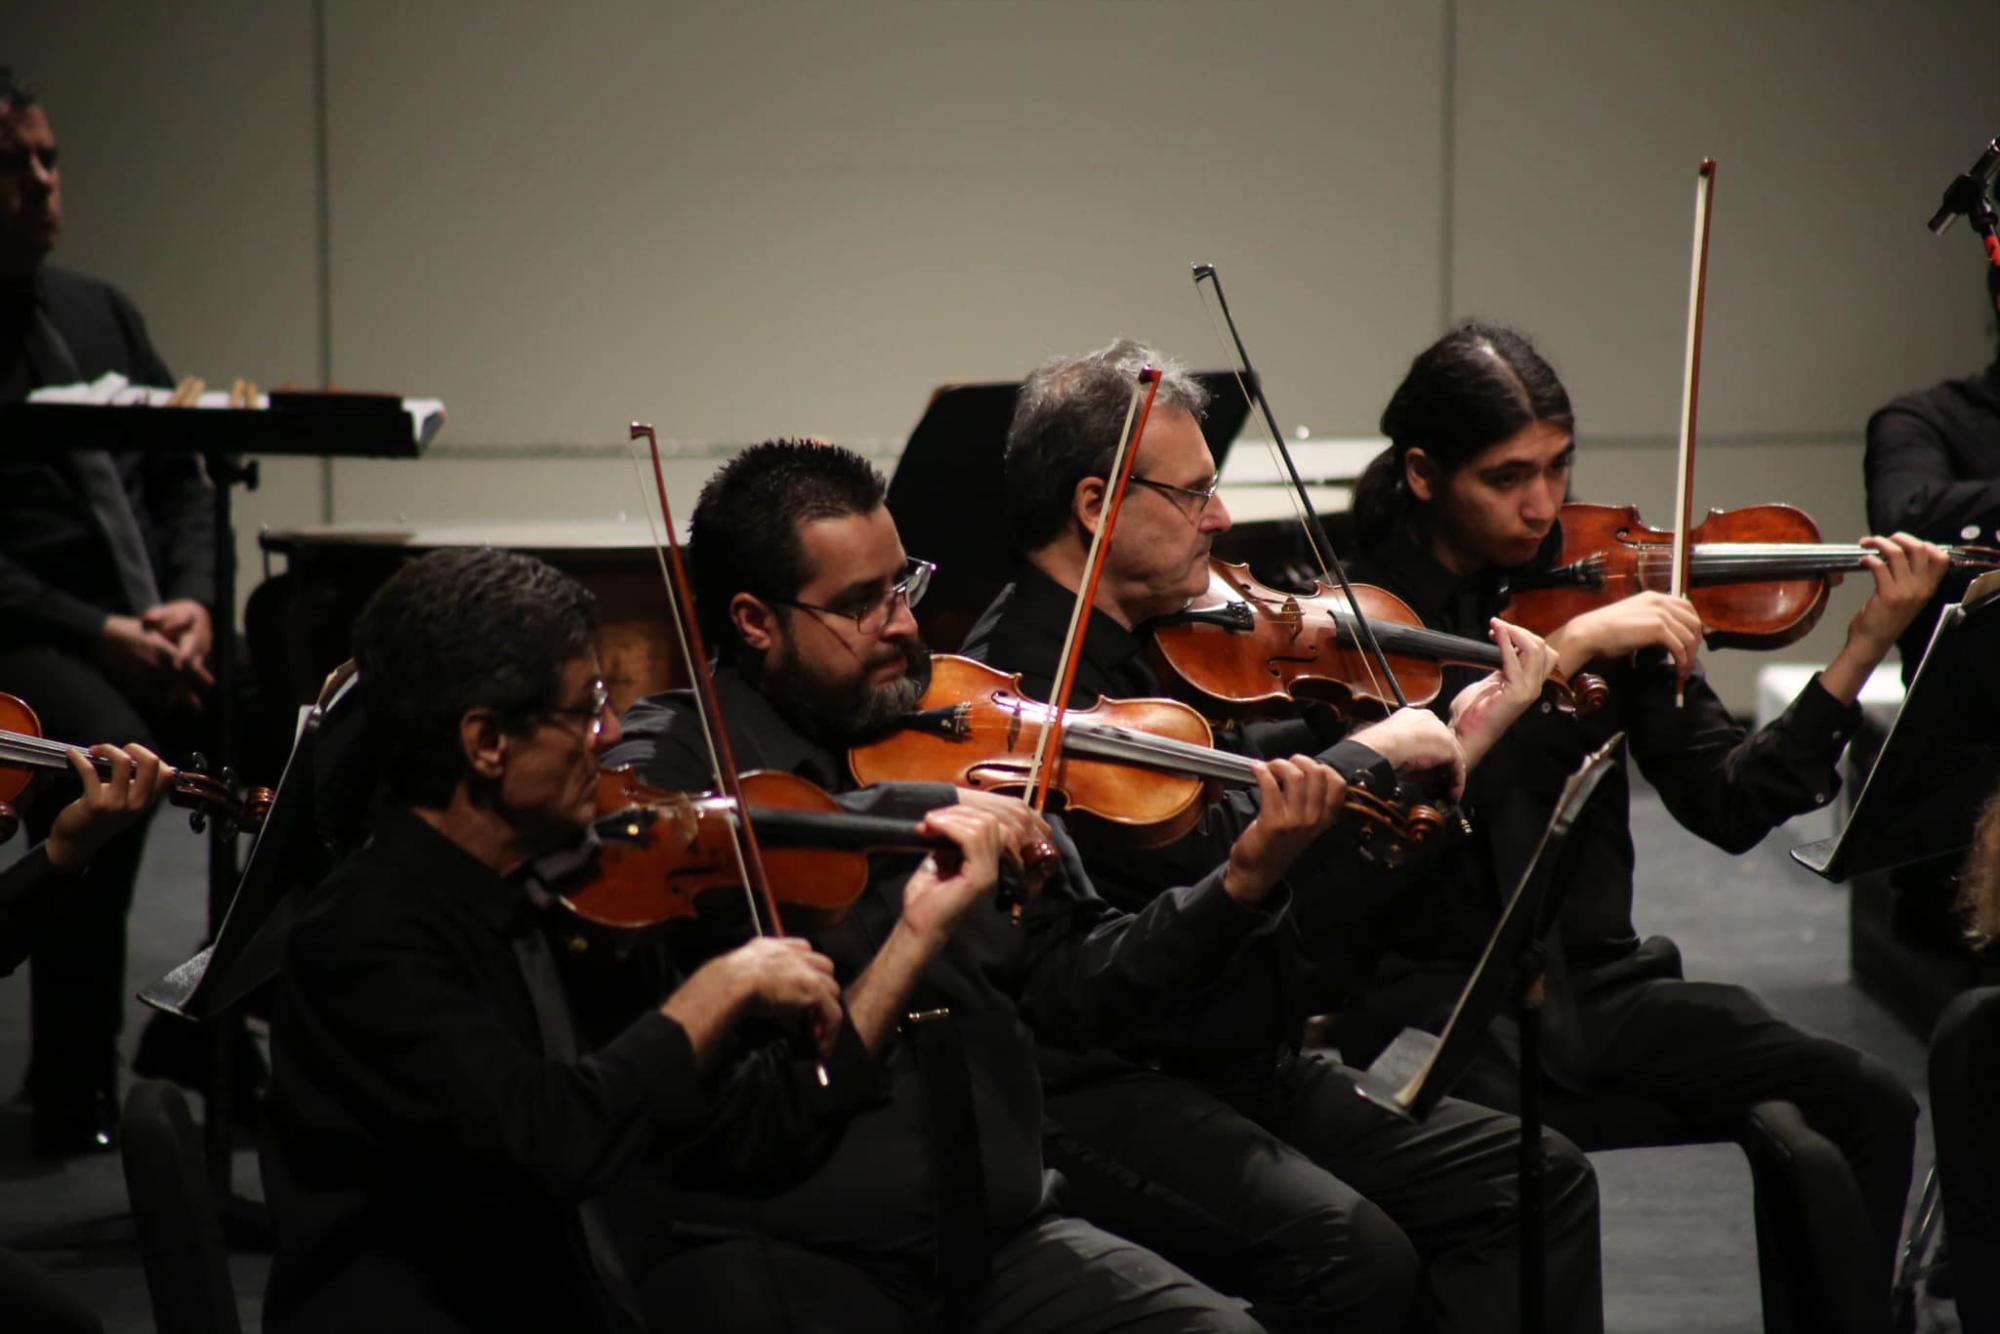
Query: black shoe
<point>70,1124</point>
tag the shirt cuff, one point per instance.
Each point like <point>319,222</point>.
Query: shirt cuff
<point>1361,766</point>
<point>660,1048</point>
<point>1207,907</point>
<point>1817,718</point>
<point>76,623</point>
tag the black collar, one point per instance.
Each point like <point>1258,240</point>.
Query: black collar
<point>424,857</point>
<point>1044,602</point>
<point>1443,597</point>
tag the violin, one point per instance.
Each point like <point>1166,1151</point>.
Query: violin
<point>1144,767</point>
<point>1759,575</point>
<point>660,852</point>
<point>24,752</point>
<point>1243,642</point>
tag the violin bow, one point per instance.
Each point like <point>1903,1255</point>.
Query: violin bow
<point>763,904</point>
<point>1332,571</point>
<point>1129,435</point>
<point>1704,199</point>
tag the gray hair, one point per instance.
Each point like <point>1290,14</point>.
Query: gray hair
<point>1066,428</point>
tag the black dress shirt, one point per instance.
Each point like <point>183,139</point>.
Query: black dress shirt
<point>58,578</point>
<point>1723,783</point>
<point>427,1158</point>
<point>1334,887</point>
<point>1074,969</point>
<point>1933,469</point>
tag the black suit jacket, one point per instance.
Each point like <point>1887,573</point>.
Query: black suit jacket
<point>57,576</point>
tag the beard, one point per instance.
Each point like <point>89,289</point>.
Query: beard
<point>840,714</point>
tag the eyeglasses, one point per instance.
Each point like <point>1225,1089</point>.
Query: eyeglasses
<point>592,713</point>
<point>17,159</point>
<point>871,614</point>
<point>1199,495</point>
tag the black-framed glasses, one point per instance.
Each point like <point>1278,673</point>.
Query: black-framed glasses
<point>871,614</point>
<point>17,159</point>
<point>1200,496</point>
<point>591,713</point>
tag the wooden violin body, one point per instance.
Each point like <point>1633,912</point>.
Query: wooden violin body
<point>975,728</point>
<point>1245,643</point>
<point>1759,575</point>
<point>1147,768</point>
<point>661,852</point>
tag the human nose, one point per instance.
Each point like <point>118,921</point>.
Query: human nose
<point>902,622</point>
<point>605,731</point>
<point>1544,501</point>
<point>1215,516</point>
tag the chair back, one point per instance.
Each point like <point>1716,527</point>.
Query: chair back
<point>179,1225</point>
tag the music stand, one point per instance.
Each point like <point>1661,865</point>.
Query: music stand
<point>1418,1068</point>
<point>946,493</point>
<point>1942,756</point>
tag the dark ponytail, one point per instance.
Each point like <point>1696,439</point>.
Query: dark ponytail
<point>1475,387</point>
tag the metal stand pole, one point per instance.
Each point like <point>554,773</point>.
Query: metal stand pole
<point>1534,1270</point>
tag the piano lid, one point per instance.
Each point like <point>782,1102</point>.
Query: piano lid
<point>946,495</point>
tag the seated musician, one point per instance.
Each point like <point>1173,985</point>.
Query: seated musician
<point>30,889</point>
<point>804,587</point>
<point>436,1139</point>
<point>1433,1202</point>
<point>105,558</point>
<point>1482,442</point>
<point>1933,469</point>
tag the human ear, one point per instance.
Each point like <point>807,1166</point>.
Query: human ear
<point>483,742</point>
<point>756,623</point>
<point>1086,504</point>
<point>1420,475</point>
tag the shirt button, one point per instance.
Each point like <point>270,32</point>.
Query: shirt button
<point>1819,798</point>
<point>1970,532</point>
<point>1546,706</point>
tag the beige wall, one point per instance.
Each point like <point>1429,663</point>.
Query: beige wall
<point>773,218</point>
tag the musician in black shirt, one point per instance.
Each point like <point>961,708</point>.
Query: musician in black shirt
<point>440,1135</point>
<point>1423,1197</point>
<point>105,561</point>
<point>1207,1186</point>
<point>1467,497</point>
<point>1933,469</point>
<point>30,889</point>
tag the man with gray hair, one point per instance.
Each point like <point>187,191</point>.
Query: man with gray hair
<point>1326,1211</point>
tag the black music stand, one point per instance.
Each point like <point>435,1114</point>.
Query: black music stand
<point>1942,756</point>
<point>1418,1068</point>
<point>946,496</point>
<point>304,423</point>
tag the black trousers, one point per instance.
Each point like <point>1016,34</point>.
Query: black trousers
<point>1710,1051</point>
<point>1325,1211</point>
<point>77,972</point>
<point>1057,1274</point>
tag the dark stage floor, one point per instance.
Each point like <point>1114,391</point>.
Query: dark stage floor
<point>1679,1252</point>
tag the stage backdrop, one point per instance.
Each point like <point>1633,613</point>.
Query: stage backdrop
<point>760,219</point>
